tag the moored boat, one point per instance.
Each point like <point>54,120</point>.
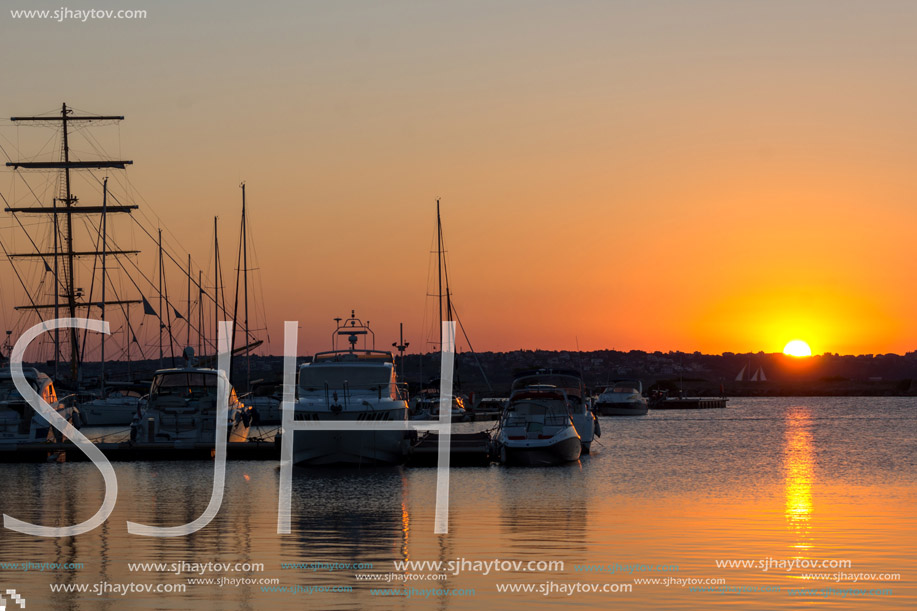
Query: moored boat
<point>182,409</point>
<point>19,422</point>
<point>536,429</point>
<point>624,398</point>
<point>118,408</point>
<point>571,383</point>
<point>350,385</point>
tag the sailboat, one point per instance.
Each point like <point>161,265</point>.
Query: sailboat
<point>69,289</point>
<point>425,405</point>
<point>86,274</point>
<point>758,376</point>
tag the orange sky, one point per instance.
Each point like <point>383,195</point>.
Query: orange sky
<point>716,177</point>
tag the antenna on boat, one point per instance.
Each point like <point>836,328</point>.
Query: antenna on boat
<point>401,345</point>
<point>352,327</point>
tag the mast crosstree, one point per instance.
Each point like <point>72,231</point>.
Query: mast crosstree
<point>62,210</point>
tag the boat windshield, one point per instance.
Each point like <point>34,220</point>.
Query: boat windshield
<point>571,385</point>
<point>355,376</point>
<point>8,390</point>
<point>627,388</point>
<point>184,382</point>
<point>528,411</point>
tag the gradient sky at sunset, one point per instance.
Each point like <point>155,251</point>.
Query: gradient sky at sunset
<point>713,176</point>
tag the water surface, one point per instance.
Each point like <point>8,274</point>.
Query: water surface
<point>663,496</point>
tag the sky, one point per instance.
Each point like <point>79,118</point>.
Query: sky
<point>710,176</point>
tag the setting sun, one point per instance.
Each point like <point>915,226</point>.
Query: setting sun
<point>797,347</point>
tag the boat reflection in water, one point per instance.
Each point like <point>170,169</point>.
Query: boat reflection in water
<point>348,515</point>
<point>547,511</point>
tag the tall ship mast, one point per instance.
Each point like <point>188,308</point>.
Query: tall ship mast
<point>69,297</point>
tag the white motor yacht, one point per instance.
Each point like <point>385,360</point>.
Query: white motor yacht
<point>119,407</point>
<point>536,428</point>
<point>622,399</point>
<point>19,422</point>
<point>425,406</point>
<point>350,385</point>
<point>182,409</point>
<point>571,382</point>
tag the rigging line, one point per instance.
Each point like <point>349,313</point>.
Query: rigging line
<point>31,241</point>
<point>256,261</point>
<point>165,287</point>
<point>174,261</point>
<point>217,304</point>
<point>38,200</point>
<point>40,150</point>
<point>139,195</point>
<point>471,348</point>
<point>92,283</point>
<point>149,235</point>
<point>40,317</point>
<point>152,287</point>
<point>235,307</point>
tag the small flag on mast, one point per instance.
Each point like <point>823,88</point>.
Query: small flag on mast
<point>147,308</point>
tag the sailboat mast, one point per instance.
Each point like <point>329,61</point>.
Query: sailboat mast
<point>200,311</point>
<point>188,320</point>
<point>439,263</point>
<point>71,290</point>
<point>216,282</point>
<point>56,295</point>
<point>248,362</point>
<point>160,298</point>
<point>64,254</point>
<point>104,253</point>
<point>130,338</point>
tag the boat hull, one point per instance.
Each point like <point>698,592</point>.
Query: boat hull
<point>630,408</point>
<point>118,414</point>
<point>541,455</point>
<point>350,448</point>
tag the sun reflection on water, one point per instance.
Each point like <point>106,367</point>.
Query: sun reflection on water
<point>799,466</point>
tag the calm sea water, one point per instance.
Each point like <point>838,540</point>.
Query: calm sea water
<point>664,497</point>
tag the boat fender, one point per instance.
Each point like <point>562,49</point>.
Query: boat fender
<point>598,427</point>
<point>76,419</point>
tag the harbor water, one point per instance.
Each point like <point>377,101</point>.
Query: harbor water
<point>674,510</point>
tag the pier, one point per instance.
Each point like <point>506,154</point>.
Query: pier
<point>691,403</point>
<point>466,449</point>
<point>127,451</point>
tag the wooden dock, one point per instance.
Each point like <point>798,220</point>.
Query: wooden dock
<point>127,451</point>
<point>466,449</point>
<point>691,403</point>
